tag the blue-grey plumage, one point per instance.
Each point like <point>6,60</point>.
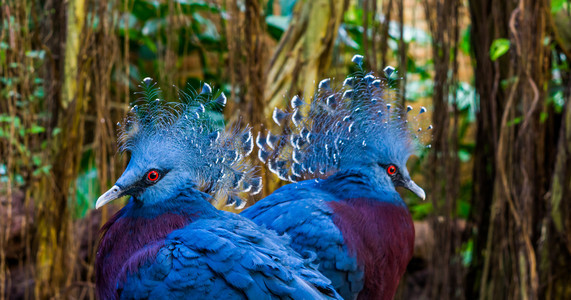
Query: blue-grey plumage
<point>169,240</point>
<point>346,153</point>
<point>223,256</point>
<point>360,124</point>
<point>301,211</point>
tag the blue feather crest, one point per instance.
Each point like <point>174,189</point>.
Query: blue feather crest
<point>359,123</point>
<point>216,157</point>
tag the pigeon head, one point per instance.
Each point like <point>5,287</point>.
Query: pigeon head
<point>154,173</point>
<point>358,126</point>
<point>175,146</point>
<point>386,153</point>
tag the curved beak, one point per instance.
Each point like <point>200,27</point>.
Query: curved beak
<point>413,187</point>
<point>112,194</point>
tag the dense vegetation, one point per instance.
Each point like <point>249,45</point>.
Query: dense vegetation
<point>494,75</point>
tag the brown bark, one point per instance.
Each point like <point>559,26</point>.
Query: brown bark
<point>302,58</point>
<point>55,253</point>
<point>303,55</point>
<point>488,23</point>
<point>513,184</point>
<point>442,17</point>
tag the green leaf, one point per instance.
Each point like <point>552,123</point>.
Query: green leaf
<point>39,92</point>
<point>421,210</point>
<point>144,10</point>
<point>466,252</point>
<point>557,5</point>
<point>56,131</point>
<point>40,54</point>
<point>43,170</point>
<point>498,48</point>
<point>354,15</point>
<point>463,209</point>
<point>35,129</point>
<point>37,160</point>
<point>20,180</point>
<point>543,116</point>
<point>2,56</point>
<point>465,44</point>
<point>277,25</point>
<point>464,155</point>
<point>515,121</point>
<point>87,187</point>
<point>6,118</point>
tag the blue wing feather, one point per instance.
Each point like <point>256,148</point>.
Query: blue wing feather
<point>300,210</point>
<point>226,258</point>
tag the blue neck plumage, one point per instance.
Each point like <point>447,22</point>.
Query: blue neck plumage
<point>187,202</point>
<point>362,182</point>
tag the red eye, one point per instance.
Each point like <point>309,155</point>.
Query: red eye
<point>153,175</point>
<point>391,170</point>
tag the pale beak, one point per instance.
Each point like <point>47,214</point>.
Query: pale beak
<point>413,187</point>
<point>112,194</point>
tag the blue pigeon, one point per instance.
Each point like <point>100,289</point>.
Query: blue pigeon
<point>345,153</point>
<point>169,241</point>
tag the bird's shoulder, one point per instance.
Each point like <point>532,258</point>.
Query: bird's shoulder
<point>305,197</point>
<point>304,213</point>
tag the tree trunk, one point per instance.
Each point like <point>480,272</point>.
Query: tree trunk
<point>556,252</point>
<point>302,58</point>
<point>508,259</point>
<point>442,18</point>
<point>489,22</point>
<point>55,256</point>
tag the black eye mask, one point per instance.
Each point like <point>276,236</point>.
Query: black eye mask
<point>394,173</point>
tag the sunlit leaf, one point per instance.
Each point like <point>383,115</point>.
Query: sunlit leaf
<point>39,54</point>
<point>43,170</point>
<point>36,159</point>
<point>354,15</point>
<point>465,43</point>
<point>466,252</point>
<point>56,131</point>
<point>35,129</point>
<point>498,48</point>
<point>543,116</point>
<point>513,121</point>
<point>464,155</point>
<point>557,5</point>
